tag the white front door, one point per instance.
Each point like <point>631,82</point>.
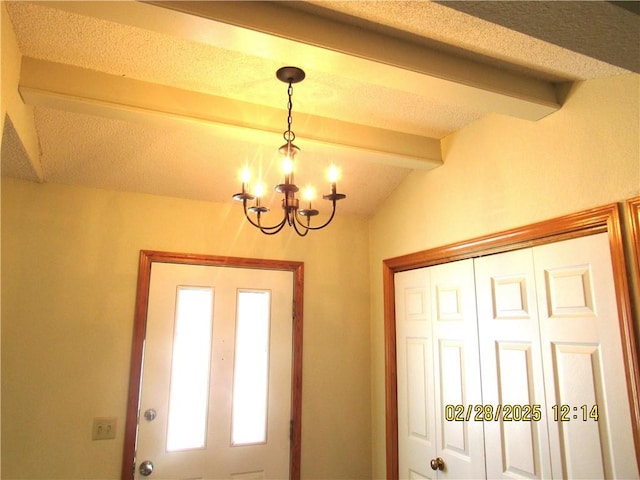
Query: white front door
<point>215,398</point>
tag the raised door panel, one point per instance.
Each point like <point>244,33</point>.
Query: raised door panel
<point>588,410</point>
<point>516,440</point>
<point>416,409</point>
<point>456,368</point>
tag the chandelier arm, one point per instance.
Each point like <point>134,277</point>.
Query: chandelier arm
<point>319,227</point>
<point>270,231</point>
<point>263,229</point>
<point>273,229</point>
<point>296,223</point>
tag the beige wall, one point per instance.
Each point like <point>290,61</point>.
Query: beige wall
<point>69,270</point>
<point>9,73</point>
<point>501,173</point>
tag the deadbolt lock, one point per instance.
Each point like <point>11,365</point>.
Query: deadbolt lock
<point>150,414</point>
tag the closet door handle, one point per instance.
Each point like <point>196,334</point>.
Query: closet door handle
<point>437,464</point>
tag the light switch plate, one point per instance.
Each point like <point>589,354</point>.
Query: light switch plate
<point>104,428</point>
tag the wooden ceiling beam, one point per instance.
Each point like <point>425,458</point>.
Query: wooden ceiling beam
<point>274,31</point>
<point>76,89</point>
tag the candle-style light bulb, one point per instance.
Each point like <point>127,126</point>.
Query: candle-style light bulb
<point>245,176</point>
<point>333,174</point>
<point>287,165</point>
<point>308,194</point>
<point>259,189</point>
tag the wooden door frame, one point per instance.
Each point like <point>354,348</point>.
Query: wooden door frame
<point>147,257</point>
<point>598,220</point>
<point>633,219</point>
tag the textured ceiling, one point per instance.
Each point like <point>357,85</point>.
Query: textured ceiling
<point>173,98</point>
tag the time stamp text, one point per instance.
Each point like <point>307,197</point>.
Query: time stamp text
<point>519,413</point>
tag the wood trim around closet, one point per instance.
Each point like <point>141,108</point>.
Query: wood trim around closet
<point>597,220</point>
<point>147,257</point>
<point>633,218</point>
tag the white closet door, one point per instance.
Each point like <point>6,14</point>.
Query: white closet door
<point>460,441</point>
<point>438,371</point>
<point>516,440</point>
<point>583,363</point>
<point>416,409</point>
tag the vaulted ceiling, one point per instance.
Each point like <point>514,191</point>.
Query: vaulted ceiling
<point>174,98</point>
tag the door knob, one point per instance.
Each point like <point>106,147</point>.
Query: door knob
<point>437,464</point>
<point>146,468</point>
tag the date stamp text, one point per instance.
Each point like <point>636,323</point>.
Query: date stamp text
<point>518,413</point>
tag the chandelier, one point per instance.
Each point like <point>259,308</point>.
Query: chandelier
<point>294,216</point>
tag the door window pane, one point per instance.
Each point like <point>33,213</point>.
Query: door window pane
<point>190,369</point>
<point>251,369</point>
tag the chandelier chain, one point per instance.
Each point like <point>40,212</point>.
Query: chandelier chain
<point>289,136</point>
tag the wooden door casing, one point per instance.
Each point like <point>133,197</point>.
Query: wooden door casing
<point>633,218</point>
<point>633,229</point>
<point>147,257</point>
